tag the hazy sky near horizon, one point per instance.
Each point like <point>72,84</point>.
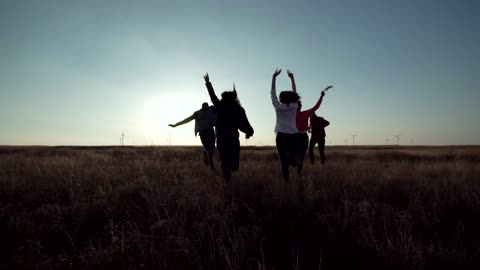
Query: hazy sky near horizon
<point>83,72</point>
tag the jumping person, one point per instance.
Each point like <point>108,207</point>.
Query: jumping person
<point>285,109</point>
<point>302,123</point>
<point>205,119</point>
<point>317,127</point>
<point>231,117</point>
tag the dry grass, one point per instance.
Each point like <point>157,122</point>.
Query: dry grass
<point>161,208</point>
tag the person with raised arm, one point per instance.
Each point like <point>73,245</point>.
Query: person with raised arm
<point>205,120</point>
<point>285,109</point>
<point>231,117</point>
<point>302,123</point>
<point>317,128</point>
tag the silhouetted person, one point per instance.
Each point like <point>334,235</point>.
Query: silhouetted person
<point>231,117</point>
<point>317,127</point>
<point>286,128</point>
<point>302,124</point>
<point>205,120</point>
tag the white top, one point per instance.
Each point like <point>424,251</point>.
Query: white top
<point>286,115</point>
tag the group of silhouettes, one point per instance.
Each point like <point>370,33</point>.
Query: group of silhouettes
<point>222,121</point>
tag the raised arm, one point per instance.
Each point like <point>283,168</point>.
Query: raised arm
<point>292,78</point>
<point>273,92</point>
<point>211,92</point>
<point>184,121</point>
<point>319,102</point>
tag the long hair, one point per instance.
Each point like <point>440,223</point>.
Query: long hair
<point>287,97</point>
<point>231,97</point>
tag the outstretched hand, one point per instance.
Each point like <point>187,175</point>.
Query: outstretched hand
<point>290,74</point>
<point>325,90</point>
<point>277,72</point>
<point>207,79</point>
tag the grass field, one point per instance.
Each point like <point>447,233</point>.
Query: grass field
<point>162,208</point>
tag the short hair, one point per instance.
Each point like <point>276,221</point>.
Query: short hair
<point>204,105</point>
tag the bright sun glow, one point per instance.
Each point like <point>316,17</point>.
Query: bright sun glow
<point>170,108</point>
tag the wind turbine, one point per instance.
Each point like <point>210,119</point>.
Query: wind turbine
<point>122,139</point>
<point>388,139</point>
<point>398,138</point>
<point>353,138</point>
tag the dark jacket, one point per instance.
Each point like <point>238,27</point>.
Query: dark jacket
<point>205,119</point>
<point>231,116</point>
<point>317,126</point>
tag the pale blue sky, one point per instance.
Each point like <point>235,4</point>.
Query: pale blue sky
<point>82,72</point>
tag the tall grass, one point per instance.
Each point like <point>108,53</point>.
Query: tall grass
<point>162,208</point>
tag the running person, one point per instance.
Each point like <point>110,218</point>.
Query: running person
<point>231,117</point>
<point>205,119</point>
<point>302,123</point>
<point>285,109</point>
<point>317,126</point>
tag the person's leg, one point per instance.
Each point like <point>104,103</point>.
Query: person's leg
<point>292,143</point>
<point>222,146</point>
<point>311,147</point>
<point>292,159</point>
<point>302,149</point>
<point>204,140</point>
<point>208,141</point>
<point>210,147</point>
<point>235,154</point>
<point>282,148</point>
<point>321,149</point>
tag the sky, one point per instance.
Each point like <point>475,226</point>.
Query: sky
<point>84,72</point>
